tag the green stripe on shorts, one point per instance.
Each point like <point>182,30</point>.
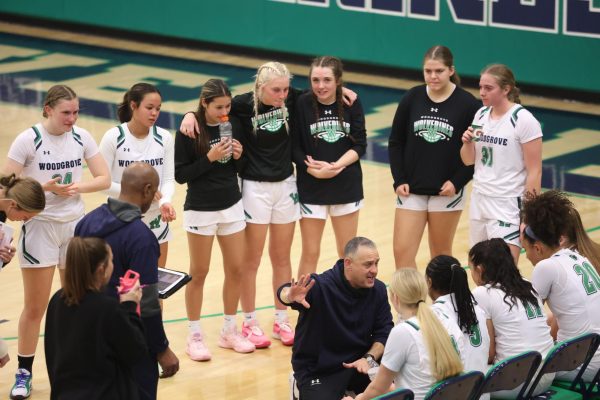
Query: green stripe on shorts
<point>31,259</point>
<point>455,202</point>
<point>512,235</point>
<point>305,209</point>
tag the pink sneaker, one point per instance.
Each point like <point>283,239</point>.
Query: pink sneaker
<point>256,335</point>
<point>196,348</point>
<point>234,340</point>
<point>284,332</point>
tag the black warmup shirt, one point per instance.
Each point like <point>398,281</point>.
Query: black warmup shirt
<point>212,186</point>
<point>268,150</point>
<point>92,347</point>
<point>325,139</point>
<point>425,140</point>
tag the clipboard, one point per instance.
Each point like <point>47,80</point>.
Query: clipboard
<point>170,281</point>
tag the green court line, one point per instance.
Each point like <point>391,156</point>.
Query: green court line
<point>172,321</point>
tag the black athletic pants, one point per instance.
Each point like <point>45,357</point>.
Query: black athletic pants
<point>333,386</point>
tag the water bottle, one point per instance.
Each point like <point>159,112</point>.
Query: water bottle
<point>225,131</point>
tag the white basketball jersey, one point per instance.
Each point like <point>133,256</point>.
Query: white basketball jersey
<point>517,329</point>
<point>120,148</point>
<point>571,285</point>
<point>499,164</point>
<point>477,344</point>
<point>458,340</point>
<point>45,157</point>
<point>406,354</point>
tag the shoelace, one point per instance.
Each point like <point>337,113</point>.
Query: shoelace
<point>237,337</point>
<point>198,340</point>
<point>256,331</point>
<point>284,326</point>
<point>22,381</point>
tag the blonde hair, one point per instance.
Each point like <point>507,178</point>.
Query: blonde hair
<point>504,77</point>
<point>409,286</point>
<point>580,240</point>
<point>264,75</point>
<point>55,94</point>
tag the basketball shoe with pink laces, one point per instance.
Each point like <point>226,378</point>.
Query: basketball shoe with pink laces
<point>256,335</point>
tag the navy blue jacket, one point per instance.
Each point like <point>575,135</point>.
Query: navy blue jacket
<point>135,247</point>
<point>341,324</point>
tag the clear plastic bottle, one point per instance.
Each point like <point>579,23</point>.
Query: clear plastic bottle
<point>225,131</point>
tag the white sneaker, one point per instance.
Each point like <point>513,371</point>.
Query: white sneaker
<point>22,387</point>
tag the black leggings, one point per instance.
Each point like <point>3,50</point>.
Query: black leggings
<point>334,385</point>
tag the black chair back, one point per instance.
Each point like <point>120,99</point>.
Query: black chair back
<point>510,373</point>
<point>567,356</point>
<point>398,394</point>
<point>459,387</point>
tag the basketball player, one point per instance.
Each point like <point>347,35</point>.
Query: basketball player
<point>52,152</point>
<point>139,139</point>
<point>424,152</point>
<point>329,139</point>
<point>507,157</point>
<point>269,190</point>
<point>563,277</point>
<point>516,320</point>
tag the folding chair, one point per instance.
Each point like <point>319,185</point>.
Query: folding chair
<point>510,373</point>
<point>566,356</point>
<point>460,387</point>
<point>589,390</point>
<point>398,394</point>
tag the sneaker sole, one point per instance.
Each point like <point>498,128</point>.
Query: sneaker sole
<point>278,337</point>
<point>20,397</point>
<point>198,358</point>
<point>227,346</point>
<point>262,345</point>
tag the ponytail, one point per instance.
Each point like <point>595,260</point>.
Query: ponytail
<point>444,358</point>
<point>409,286</point>
<point>448,277</point>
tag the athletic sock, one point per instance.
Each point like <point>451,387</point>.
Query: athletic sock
<point>250,317</point>
<point>194,327</point>
<point>281,316</point>
<point>228,323</point>
<point>26,362</point>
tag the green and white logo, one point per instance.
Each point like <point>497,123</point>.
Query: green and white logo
<point>270,121</point>
<point>330,130</point>
<point>433,130</point>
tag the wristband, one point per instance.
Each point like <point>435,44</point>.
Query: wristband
<point>279,294</point>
